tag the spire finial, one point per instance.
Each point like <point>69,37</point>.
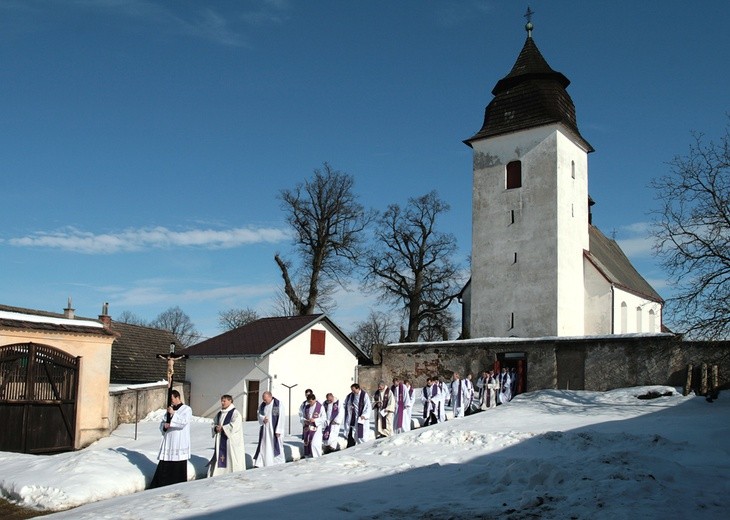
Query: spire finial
<point>528,25</point>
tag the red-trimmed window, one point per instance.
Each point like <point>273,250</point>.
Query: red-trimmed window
<point>514,175</point>
<point>316,345</point>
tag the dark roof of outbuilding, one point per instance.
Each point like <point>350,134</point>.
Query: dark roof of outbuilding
<point>260,337</point>
<point>134,354</point>
<point>610,260</point>
<point>531,95</point>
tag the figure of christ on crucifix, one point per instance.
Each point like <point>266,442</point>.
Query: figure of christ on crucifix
<point>171,357</point>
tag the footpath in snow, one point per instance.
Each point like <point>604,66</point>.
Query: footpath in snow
<point>548,454</point>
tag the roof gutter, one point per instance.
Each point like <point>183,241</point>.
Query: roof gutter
<point>268,376</point>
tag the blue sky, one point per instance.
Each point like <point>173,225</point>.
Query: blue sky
<point>143,143</point>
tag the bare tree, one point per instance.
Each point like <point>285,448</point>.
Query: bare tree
<point>411,261</point>
<point>282,305</point>
<point>327,221</point>
<point>179,323</point>
<point>692,228</point>
<point>377,329</point>
<point>233,318</point>
<point>438,327</point>
<point>130,318</point>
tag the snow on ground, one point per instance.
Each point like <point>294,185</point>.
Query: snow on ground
<point>548,454</point>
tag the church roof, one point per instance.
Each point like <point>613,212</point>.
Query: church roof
<point>531,95</point>
<point>611,261</point>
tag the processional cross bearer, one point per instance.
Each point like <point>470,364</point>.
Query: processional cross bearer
<point>171,357</point>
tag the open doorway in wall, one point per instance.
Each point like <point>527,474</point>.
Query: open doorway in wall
<point>516,364</point>
<point>252,397</point>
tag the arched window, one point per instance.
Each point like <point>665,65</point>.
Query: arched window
<point>572,169</point>
<point>652,321</point>
<point>638,319</point>
<point>514,175</point>
<point>624,317</point>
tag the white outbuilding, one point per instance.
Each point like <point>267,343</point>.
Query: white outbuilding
<point>284,355</point>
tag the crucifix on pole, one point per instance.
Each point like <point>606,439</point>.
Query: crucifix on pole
<point>171,357</point>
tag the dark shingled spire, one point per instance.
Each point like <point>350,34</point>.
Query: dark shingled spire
<point>531,95</point>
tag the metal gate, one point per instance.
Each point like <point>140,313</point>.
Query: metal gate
<point>38,393</point>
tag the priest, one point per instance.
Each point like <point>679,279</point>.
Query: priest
<point>313,421</point>
<point>357,416</point>
<point>229,454</point>
<point>331,432</point>
<point>270,450</point>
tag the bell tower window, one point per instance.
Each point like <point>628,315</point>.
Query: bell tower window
<point>514,175</point>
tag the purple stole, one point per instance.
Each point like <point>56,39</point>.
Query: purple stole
<point>223,442</point>
<point>333,414</point>
<point>458,395</point>
<point>385,396</point>
<point>360,409</point>
<point>399,406</point>
<point>308,432</point>
<point>275,421</point>
<point>434,390</point>
<point>427,403</point>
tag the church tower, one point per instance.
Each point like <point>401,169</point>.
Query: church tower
<point>530,215</point>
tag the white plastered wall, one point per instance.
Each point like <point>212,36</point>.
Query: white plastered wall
<point>543,288</point>
<point>293,364</point>
<point>289,365</point>
<point>598,302</point>
<point>212,377</point>
<point>637,317</point>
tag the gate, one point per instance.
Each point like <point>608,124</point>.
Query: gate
<point>570,362</point>
<point>516,362</point>
<point>38,392</point>
<point>252,405</point>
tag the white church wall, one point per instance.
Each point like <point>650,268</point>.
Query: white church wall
<point>502,284</point>
<point>637,313</point>
<point>466,311</point>
<point>522,284</point>
<point>598,302</point>
<point>572,234</point>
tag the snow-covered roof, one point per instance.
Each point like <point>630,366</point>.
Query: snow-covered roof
<point>35,318</point>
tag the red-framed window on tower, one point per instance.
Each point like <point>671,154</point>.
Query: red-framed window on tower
<point>514,175</point>
<point>316,345</point>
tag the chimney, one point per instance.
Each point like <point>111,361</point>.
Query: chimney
<point>104,317</point>
<point>68,312</point>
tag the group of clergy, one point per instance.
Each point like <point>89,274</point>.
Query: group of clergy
<point>323,422</point>
<point>393,407</point>
<point>496,387</point>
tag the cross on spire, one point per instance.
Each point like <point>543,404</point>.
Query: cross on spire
<point>528,25</point>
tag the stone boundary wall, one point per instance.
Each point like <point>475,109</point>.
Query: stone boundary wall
<point>603,363</point>
<point>127,406</point>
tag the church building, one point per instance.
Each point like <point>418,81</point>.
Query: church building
<point>539,267</point>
